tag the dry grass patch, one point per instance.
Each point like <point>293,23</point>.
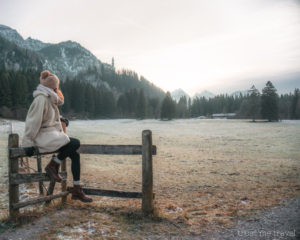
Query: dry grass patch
<point>207,174</point>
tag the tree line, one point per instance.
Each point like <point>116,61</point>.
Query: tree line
<point>254,105</point>
<point>132,97</point>
<point>87,100</point>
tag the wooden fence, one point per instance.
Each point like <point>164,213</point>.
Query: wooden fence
<point>16,178</point>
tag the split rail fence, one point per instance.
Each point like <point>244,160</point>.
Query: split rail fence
<point>15,178</point>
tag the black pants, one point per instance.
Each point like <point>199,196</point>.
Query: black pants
<point>70,150</point>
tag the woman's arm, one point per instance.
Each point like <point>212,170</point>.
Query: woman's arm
<point>34,120</point>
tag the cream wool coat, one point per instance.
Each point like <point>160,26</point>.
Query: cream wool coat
<point>43,127</point>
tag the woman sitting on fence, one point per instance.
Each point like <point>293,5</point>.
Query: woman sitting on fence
<point>43,129</point>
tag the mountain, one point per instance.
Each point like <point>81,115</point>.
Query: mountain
<point>13,36</point>
<point>205,94</point>
<point>34,44</point>
<point>13,57</point>
<point>238,93</point>
<point>68,60</point>
<point>178,93</point>
<point>65,59</point>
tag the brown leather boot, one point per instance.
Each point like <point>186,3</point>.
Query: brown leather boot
<point>78,194</point>
<point>52,170</point>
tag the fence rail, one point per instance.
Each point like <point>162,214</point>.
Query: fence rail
<point>91,149</point>
<point>15,178</point>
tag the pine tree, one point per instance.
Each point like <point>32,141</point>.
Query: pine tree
<point>122,106</point>
<point>295,106</point>
<point>141,105</point>
<point>182,110</point>
<point>20,90</point>
<point>168,108</point>
<point>5,90</point>
<point>77,96</point>
<point>189,107</point>
<point>269,102</point>
<point>113,62</point>
<point>132,97</point>
<point>254,103</point>
<point>89,100</point>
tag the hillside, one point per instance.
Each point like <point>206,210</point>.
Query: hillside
<point>16,58</point>
<point>68,60</point>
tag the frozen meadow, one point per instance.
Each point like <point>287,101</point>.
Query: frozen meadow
<point>207,173</point>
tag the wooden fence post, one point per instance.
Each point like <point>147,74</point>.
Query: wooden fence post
<point>13,167</point>
<point>39,167</point>
<point>147,174</point>
<point>64,181</point>
<point>50,190</point>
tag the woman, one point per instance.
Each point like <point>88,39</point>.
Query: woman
<point>43,129</point>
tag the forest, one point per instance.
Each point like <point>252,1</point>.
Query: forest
<point>130,96</point>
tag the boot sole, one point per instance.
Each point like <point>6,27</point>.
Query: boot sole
<point>51,176</point>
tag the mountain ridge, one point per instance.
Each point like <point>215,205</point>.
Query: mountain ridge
<point>66,58</point>
<point>178,93</point>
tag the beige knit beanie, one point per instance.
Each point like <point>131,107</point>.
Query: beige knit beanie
<point>49,80</point>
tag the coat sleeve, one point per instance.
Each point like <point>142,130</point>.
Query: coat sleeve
<point>34,120</point>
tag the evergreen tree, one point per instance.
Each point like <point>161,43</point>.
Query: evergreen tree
<point>20,90</point>
<point>132,97</point>
<point>295,106</point>
<point>122,106</point>
<point>76,91</point>
<point>32,78</point>
<point>189,107</point>
<point>168,108</point>
<point>5,90</point>
<point>253,103</point>
<point>182,110</point>
<point>141,105</point>
<point>98,104</point>
<point>153,109</point>
<point>108,103</point>
<point>113,62</point>
<point>89,100</point>
<point>284,104</point>
<point>269,102</point>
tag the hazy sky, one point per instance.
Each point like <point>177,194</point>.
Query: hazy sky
<point>218,45</point>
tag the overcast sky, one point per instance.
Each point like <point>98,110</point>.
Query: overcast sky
<point>218,45</point>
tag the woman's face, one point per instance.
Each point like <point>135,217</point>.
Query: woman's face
<point>55,89</point>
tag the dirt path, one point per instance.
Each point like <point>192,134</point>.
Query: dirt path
<point>28,231</point>
<point>281,222</point>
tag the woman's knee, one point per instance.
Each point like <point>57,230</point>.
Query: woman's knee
<point>75,143</point>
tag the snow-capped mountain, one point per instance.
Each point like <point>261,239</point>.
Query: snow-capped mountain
<point>238,93</point>
<point>13,57</point>
<point>178,93</point>
<point>13,36</point>
<point>34,44</point>
<point>205,94</point>
<point>66,59</point>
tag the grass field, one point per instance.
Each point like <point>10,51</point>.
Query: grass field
<point>207,174</point>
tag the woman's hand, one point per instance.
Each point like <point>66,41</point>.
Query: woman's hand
<point>65,120</point>
<point>30,151</point>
